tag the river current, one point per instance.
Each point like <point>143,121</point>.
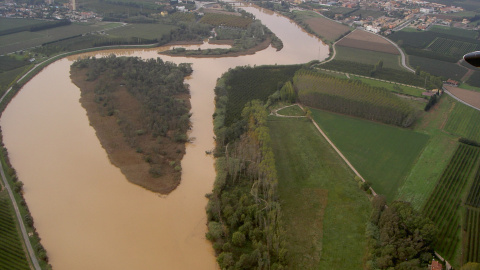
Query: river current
<point>87,214</point>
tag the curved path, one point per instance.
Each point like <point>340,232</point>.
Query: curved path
<point>26,239</point>
<point>459,100</point>
<point>275,112</point>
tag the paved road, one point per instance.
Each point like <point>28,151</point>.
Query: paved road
<point>26,239</point>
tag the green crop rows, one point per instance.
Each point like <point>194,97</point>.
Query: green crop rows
<point>12,255</point>
<point>463,121</point>
<point>472,252</point>
<point>443,205</point>
<point>452,47</point>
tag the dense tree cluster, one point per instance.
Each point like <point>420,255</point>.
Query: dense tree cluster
<point>158,86</point>
<point>218,19</point>
<point>353,98</point>
<point>399,237</point>
<point>243,210</point>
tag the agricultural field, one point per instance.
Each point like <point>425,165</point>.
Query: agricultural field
<point>368,41</point>
<point>463,121</point>
<point>382,154</point>
<point>438,67</point>
<point>10,23</point>
<point>393,87</point>
<point>472,239</point>
<point>444,205</point>
<point>12,255</point>
<point>324,27</point>
<point>246,82</point>
<point>451,47</point>
<point>454,31</point>
<point>25,40</point>
<point>226,20</point>
<point>352,98</point>
<point>323,209</point>
<point>368,57</point>
<point>471,97</point>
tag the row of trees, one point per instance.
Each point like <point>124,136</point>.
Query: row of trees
<point>352,98</point>
<point>243,210</point>
<point>420,78</point>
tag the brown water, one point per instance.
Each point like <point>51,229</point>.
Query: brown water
<point>87,214</point>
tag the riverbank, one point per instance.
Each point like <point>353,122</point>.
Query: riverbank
<point>162,155</point>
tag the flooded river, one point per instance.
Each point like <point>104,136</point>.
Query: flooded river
<point>87,214</point>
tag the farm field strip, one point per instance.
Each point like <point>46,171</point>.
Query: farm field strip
<point>444,203</point>
<point>12,254</point>
<point>463,121</point>
<point>472,253</point>
<point>452,47</point>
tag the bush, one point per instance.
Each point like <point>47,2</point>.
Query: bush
<point>238,238</point>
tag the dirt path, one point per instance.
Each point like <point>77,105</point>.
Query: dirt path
<point>275,112</point>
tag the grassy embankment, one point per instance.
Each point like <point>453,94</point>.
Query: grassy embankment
<point>324,211</point>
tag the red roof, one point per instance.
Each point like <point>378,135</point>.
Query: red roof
<point>436,265</point>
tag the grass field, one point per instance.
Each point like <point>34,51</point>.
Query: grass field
<point>12,255</point>
<point>294,110</point>
<point>324,211</point>
<point>469,87</point>
<point>437,67</point>
<point>454,31</point>
<point>464,121</point>
<point>382,154</point>
<point>327,29</point>
<point>397,88</point>
<point>367,57</point>
<point>25,40</point>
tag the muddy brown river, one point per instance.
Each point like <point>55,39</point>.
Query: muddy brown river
<point>87,214</point>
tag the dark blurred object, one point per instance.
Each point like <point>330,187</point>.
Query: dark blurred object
<point>473,58</point>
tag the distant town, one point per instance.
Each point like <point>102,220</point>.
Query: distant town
<point>396,15</point>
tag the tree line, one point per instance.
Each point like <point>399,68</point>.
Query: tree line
<point>352,97</point>
<point>243,209</point>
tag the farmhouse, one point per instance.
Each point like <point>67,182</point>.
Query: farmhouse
<point>451,82</point>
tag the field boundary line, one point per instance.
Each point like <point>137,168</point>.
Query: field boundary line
<point>26,239</point>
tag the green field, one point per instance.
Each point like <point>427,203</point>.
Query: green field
<point>25,40</point>
<point>294,110</point>
<point>368,57</point>
<point>12,254</point>
<point>9,23</point>
<point>437,67</point>
<point>324,211</point>
<point>445,204</point>
<point>382,154</point>
<point>452,47</point>
<point>397,88</point>
<point>464,121</point>
<point>454,31</point>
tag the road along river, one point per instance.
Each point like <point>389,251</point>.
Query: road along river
<point>87,214</point>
